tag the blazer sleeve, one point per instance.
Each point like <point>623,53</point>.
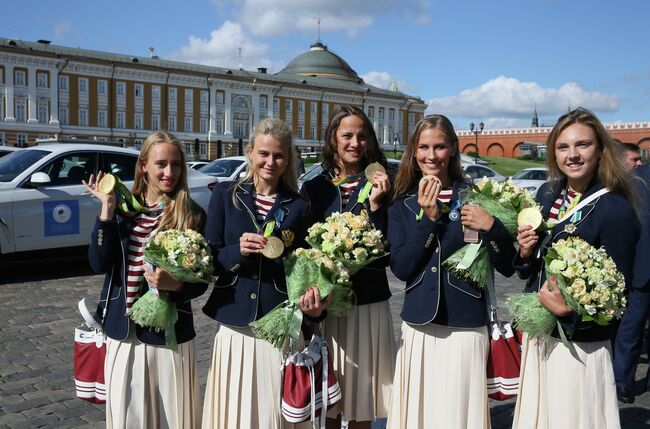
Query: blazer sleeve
<point>498,243</point>
<point>104,245</point>
<point>227,257</point>
<point>411,242</point>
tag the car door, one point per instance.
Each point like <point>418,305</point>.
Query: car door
<point>60,213</point>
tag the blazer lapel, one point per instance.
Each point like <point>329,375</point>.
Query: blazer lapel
<point>245,196</point>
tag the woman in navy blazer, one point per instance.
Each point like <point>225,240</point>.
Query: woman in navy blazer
<point>560,387</point>
<point>243,387</point>
<point>147,384</point>
<point>440,377</point>
<point>363,343</point>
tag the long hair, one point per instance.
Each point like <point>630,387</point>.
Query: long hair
<point>409,173</point>
<point>611,171</point>
<point>373,153</point>
<point>280,131</point>
<point>180,211</point>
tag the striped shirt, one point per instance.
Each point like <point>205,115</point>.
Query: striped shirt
<point>562,203</point>
<point>145,223</point>
<point>445,195</point>
<point>347,189</point>
<point>263,204</point>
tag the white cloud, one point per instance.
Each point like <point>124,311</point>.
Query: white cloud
<point>281,17</point>
<point>506,100</point>
<point>222,49</point>
<point>62,30</point>
<point>383,80</point>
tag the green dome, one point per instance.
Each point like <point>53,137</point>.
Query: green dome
<point>320,62</point>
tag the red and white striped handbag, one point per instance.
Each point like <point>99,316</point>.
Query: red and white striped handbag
<point>504,362</point>
<point>89,357</point>
<point>305,376</point>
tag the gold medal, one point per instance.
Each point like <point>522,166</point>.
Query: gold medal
<point>429,177</point>
<point>372,169</point>
<point>530,216</point>
<point>107,184</point>
<point>273,248</point>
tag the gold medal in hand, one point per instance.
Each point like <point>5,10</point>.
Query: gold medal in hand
<point>273,248</point>
<point>373,168</point>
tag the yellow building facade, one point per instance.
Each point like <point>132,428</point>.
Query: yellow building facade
<point>49,91</point>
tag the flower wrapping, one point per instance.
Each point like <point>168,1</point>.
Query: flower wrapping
<point>186,256</point>
<point>341,246</point>
<point>589,281</point>
<point>502,200</point>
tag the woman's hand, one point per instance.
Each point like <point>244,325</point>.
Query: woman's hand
<point>428,191</point>
<point>161,279</point>
<point>311,303</point>
<point>108,201</point>
<point>473,216</point>
<point>553,299</point>
<point>380,189</point>
<point>250,243</point>
<point>527,239</point>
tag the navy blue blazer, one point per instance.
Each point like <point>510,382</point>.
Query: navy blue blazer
<point>248,287</point>
<point>608,221</point>
<point>641,277</point>
<point>418,249</point>
<point>370,283</point>
<point>108,254</point>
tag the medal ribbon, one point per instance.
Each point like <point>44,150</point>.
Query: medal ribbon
<point>567,208</point>
<point>338,181</point>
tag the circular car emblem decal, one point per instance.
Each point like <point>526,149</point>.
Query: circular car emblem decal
<point>61,213</point>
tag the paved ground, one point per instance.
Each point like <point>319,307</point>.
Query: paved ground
<point>37,320</point>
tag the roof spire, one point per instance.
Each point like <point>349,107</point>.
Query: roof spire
<point>535,122</point>
<point>393,86</point>
<point>318,23</point>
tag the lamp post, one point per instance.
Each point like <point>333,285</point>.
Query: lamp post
<point>476,132</point>
<point>132,137</point>
<point>395,144</point>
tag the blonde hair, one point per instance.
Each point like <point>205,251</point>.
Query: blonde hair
<point>611,172</point>
<point>280,131</point>
<point>180,211</point>
<point>409,173</point>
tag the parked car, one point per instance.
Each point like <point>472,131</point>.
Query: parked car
<point>476,172</point>
<point>195,165</point>
<point>531,178</point>
<point>43,204</point>
<point>6,150</point>
<point>224,169</point>
<point>316,169</point>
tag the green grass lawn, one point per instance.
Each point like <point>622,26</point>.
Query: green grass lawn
<point>510,166</point>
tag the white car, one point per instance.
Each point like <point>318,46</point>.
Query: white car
<point>225,169</point>
<point>44,205</point>
<point>476,172</point>
<point>195,165</point>
<point>531,178</point>
<point>6,150</point>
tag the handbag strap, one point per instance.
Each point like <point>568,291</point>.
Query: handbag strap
<point>579,206</point>
<point>88,318</point>
<point>491,297</point>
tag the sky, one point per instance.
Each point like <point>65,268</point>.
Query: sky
<point>471,60</point>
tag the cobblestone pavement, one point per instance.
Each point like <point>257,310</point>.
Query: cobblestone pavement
<point>37,319</point>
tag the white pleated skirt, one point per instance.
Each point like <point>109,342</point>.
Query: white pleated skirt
<point>560,390</point>
<point>151,386</point>
<point>363,351</point>
<point>440,379</point>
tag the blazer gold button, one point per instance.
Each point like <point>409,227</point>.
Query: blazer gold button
<point>253,295</point>
<point>434,269</point>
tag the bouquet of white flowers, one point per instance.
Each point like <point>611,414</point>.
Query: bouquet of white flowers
<point>186,256</point>
<point>589,281</point>
<point>342,245</point>
<point>502,200</point>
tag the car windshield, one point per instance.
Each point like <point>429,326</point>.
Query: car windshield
<point>221,167</point>
<point>17,162</point>
<point>312,172</point>
<point>530,175</point>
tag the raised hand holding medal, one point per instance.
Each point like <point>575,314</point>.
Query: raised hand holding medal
<point>428,190</point>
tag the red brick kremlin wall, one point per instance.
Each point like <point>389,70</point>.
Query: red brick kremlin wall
<point>505,142</point>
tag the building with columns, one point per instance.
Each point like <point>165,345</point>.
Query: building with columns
<point>49,91</point>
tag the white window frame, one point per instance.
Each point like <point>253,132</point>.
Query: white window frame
<point>102,87</point>
<point>101,118</point>
<point>220,98</point>
<point>138,122</point>
<point>187,124</point>
<point>288,106</point>
<point>138,90</point>
<point>155,122</point>
<point>42,80</point>
<point>155,92</point>
<point>172,94</point>
<point>83,117</point>
<point>20,78</point>
<point>64,115</point>
<point>172,122</point>
<point>204,98</point>
<point>20,109</point>
<point>21,139</point>
<point>301,106</point>
<point>3,140</point>
<point>203,125</point>
<point>43,115</point>
<point>120,120</point>
<point>121,88</point>
<point>313,106</point>
<point>64,82</point>
<point>264,102</point>
<point>189,96</point>
<point>83,85</point>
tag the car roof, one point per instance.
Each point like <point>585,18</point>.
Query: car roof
<point>237,157</point>
<point>64,147</point>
